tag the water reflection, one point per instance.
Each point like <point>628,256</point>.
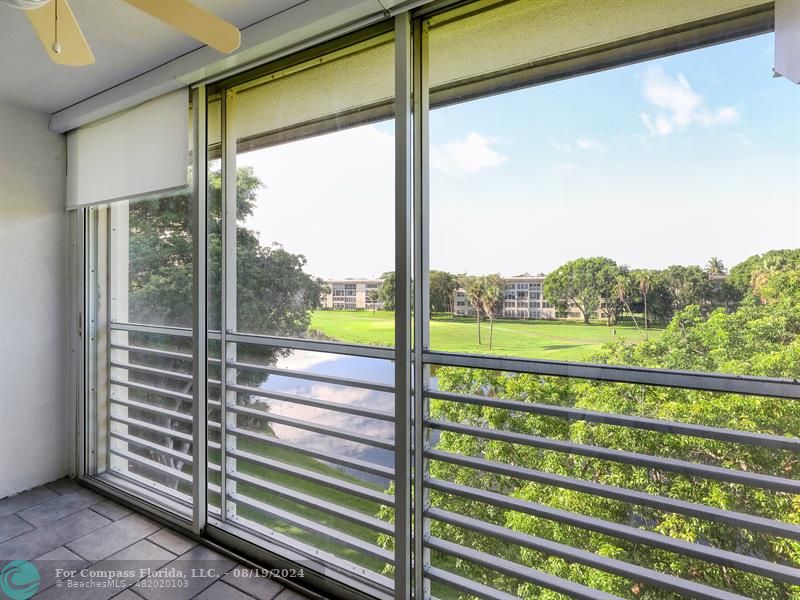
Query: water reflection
<point>366,369</point>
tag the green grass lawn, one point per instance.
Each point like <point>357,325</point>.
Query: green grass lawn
<point>556,340</point>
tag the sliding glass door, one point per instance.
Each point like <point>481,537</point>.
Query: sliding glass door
<point>301,224</point>
<point>143,356</point>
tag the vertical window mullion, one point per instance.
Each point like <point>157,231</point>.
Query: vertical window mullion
<point>199,317</point>
<point>403,271</point>
<point>228,350</point>
<point>421,305</point>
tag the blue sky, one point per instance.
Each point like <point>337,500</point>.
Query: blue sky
<point>664,162</point>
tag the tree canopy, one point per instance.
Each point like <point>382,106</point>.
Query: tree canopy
<point>442,286</point>
<point>760,338</point>
<point>274,296</point>
<point>386,291</point>
<point>583,282</point>
<point>749,275</point>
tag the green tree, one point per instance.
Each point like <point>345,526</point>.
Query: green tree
<point>644,279</point>
<point>624,287</point>
<point>386,291</point>
<point>761,276</point>
<point>492,300</point>
<point>474,286</point>
<point>780,286</point>
<point>686,286</point>
<point>275,296</point>
<point>442,286</point>
<point>613,305</point>
<point>757,339</point>
<point>715,266</point>
<point>749,271</point>
<point>583,282</point>
<point>373,297</point>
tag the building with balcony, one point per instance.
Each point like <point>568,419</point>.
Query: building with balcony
<point>172,427</point>
<point>523,298</point>
<point>352,294</point>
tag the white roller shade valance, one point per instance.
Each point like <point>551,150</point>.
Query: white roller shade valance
<point>138,152</point>
<point>471,46</point>
<point>339,90</point>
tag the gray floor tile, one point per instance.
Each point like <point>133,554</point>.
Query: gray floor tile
<point>172,541</point>
<point>113,538</point>
<point>128,565</point>
<point>203,554</point>
<point>290,595</point>
<point>248,581</point>
<point>55,565</point>
<point>59,507</point>
<point>51,536</point>
<point>64,486</point>
<point>223,591</point>
<point>111,510</point>
<point>64,528</point>
<point>127,595</point>
<point>11,526</point>
<point>22,501</point>
<point>200,568</point>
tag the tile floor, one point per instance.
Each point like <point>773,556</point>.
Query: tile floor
<point>87,547</point>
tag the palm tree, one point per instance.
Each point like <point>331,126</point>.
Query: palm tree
<point>761,275</point>
<point>373,296</point>
<point>491,300</point>
<point>622,285</point>
<point>474,288</point>
<point>715,266</point>
<point>645,280</point>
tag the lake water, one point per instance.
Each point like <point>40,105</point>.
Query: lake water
<point>367,369</point>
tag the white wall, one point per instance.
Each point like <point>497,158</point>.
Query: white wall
<point>33,302</point>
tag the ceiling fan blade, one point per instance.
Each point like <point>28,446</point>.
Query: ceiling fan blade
<point>75,52</point>
<point>193,21</point>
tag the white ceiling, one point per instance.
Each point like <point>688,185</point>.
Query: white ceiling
<point>126,42</point>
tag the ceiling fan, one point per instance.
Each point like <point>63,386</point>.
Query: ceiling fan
<point>61,36</point>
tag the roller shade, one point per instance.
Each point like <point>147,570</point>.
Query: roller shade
<point>349,87</point>
<point>539,38</point>
<point>141,151</point>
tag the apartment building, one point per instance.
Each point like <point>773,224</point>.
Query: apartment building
<point>522,299</point>
<point>352,294</point>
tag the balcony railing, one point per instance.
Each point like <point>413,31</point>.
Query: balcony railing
<point>505,510</point>
<point>315,496</point>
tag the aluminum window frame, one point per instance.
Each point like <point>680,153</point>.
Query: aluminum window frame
<point>221,527</point>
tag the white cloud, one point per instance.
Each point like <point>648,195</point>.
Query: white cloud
<point>470,155</point>
<point>679,105</point>
<point>591,144</point>
<point>299,360</point>
<point>566,167</point>
<point>320,416</point>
